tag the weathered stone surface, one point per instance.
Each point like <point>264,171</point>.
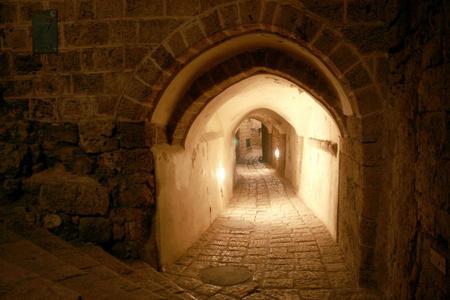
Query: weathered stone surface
<point>52,221</point>
<point>86,34</point>
<point>96,136</point>
<point>60,191</point>
<point>136,195</point>
<point>95,229</point>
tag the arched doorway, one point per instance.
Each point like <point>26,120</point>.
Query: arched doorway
<point>179,98</point>
<point>201,171</point>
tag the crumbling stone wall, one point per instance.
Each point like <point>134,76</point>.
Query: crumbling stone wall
<point>91,181</point>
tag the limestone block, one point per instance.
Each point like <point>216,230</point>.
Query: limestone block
<point>109,8</point>
<point>61,191</point>
<point>96,136</point>
<point>132,135</point>
<point>155,31</point>
<point>95,229</point>
<point>143,8</point>
<point>137,195</point>
<point>52,221</point>
<point>86,34</point>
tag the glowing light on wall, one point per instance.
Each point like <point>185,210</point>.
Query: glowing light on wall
<point>220,173</point>
<point>277,153</point>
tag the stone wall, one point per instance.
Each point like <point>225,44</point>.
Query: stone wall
<point>62,116</point>
<point>91,181</point>
<point>249,129</point>
<point>414,219</point>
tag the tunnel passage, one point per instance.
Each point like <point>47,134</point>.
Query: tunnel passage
<point>202,173</point>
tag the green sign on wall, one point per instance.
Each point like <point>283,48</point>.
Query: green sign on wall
<point>45,31</point>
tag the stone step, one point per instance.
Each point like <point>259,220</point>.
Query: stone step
<point>145,271</point>
<point>140,273</point>
<point>19,283</point>
<point>73,269</point>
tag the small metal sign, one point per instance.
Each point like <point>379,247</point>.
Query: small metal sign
<point>45,31</point>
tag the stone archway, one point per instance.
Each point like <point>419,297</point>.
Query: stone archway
<point>335,74</point>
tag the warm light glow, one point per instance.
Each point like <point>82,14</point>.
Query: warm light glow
<point>277,153</point>
<point>220,173</point>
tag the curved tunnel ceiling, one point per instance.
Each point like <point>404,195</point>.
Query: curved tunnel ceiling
<point>267,92</point>
<point>180,84</point>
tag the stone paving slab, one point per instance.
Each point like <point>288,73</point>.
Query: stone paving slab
<point>289,251</point>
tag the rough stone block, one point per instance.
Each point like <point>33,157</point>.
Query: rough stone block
<point>135,196</point>
<point>5,68</point>
<point>366,38</point>
<point>109,8</point>
<point>108,59</point>
<point>129,110</point>
<point>358,76</point>
<point>368,100</point>
<point>85,9</point>
<point>433,89</point>
<point>132,135</point>
<point>27,63</point>
<point>327,41</point>
<point>163,58</point>
<point>88,83</point>
<point>364,11</point>
<point>177,44</point>
<point>331,10</point>
<point>92,199</point>
<point>193,34</point>
<point>287,17</point>
<point>16,88</point>
<point>344,57</point>
<point>105,105</point>
<point>306,28</point>
<point>94,229</point>
<point>64,61</point>
<point>267,12</point>
<point>372,127</point>
<point>138,91</point>
<point>52,85</point>
<point>97,136</point>
<point>58,133</point>
<point>229,14</point>
<point>8,13</point>
<point>148,71</point>
<point>144,8</point>
<point>249,11</point>
<point>134,55</point>
<point>43,109</point>
<point>66,9</point>
<point>124,32</point>
<point>182,7</point>
<point>211,23</point>
<point>154,31</point>
<point>15,38</point>
<point>116,81</point>
<point>86,34</point>
<point>75,109</point>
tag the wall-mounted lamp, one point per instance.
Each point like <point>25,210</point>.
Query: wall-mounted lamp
<point>277,153</point>
<point>220,173</point>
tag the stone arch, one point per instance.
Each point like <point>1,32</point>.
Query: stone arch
<point>351,93</point>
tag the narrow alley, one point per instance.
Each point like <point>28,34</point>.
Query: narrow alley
<point>287,250</point>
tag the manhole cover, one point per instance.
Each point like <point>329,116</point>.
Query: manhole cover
<point>225,275</point>
<point>239,224</point>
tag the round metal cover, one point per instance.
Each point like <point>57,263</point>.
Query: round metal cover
<point>239,224</point>
<point>225,275</point>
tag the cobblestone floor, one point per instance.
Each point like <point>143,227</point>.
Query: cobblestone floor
<point>289,251</point>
